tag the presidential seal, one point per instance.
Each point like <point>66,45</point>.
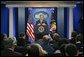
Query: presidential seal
<point>41,29</point>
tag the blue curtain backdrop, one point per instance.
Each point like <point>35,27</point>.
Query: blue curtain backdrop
<point>77,13</point>
<point>15,21</point>
<point>4,19</point>
<point>67,23</point>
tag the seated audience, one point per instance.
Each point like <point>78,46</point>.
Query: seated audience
<point>21,49</point>
<point>39,41</point>
<point>3,37</point>
<point>63,41</point>
<point>54,42</point>
<point>21,40</point>
<point>21,46</point>
<point>45,45</point>
<point>37,50</point>
<point>62,44</point>
<point>9,47</point>
<point>73,39</point>
<point>56,46</point>
<point>79,43</point>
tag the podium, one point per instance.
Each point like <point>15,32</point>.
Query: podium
<point>41,30</point>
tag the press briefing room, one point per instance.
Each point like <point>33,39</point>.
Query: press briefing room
<point>41,28</point>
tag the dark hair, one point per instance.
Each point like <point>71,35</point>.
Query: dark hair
<point>21,42</point>
<point>28,42</point>
<point>62,49</point>
<point>71,49</point>
<point>79,38</point>
<point>56,37</point>
<point>8,43</point>
<point>3,36</point>
<point>63,41</point>
<point>2,40</point>
<point>34,51</point>
<point>42,15</point>
<point>74,34</point>
<point>21,34</point>
<point>46,39</point>
<point>62,44</point>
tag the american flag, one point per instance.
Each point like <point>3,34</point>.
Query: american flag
<point>30,28</point>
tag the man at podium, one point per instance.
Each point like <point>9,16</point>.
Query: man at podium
<point>41,21</point>
<point>41,28</point>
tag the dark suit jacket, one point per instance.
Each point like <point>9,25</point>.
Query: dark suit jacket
<point>42,22</point>
<point>21,42</point>
<point>21,49</point>
<point>7,52</point>
<point>47,48</point>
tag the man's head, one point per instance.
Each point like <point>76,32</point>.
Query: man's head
<point>22,35</point>
<point>8,43</point>
<point>71,50</point>
<point>46,39</point>
<point>74,34</point>
<point>37,50</point>
<point>41,17</point>
<point>56,37</point>
<point>3,36</point>
<point>79,37</point>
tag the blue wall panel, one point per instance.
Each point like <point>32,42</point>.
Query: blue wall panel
<point>21,20</point>
<point>76,16</point>
<point>4,19</point>
<point>60,21</point>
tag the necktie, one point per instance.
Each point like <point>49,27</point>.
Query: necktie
<point>41,21</point>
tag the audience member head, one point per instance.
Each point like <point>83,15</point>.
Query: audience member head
<point>46,39</point>
<point>63,41</point>
<point>14,40</point>
<point>21,42</point>
<point>22,35</point>
<point>56,37</point>
<point>37,50</point>
<point>62,49</point>
<point>3,36</point>
<point>79,37</point>
<point>28,44</point>
<point>9,44</point>
<point>71,50</point>
<point>73,40</point>
<point>62,44</point>
<point>73,34</point>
